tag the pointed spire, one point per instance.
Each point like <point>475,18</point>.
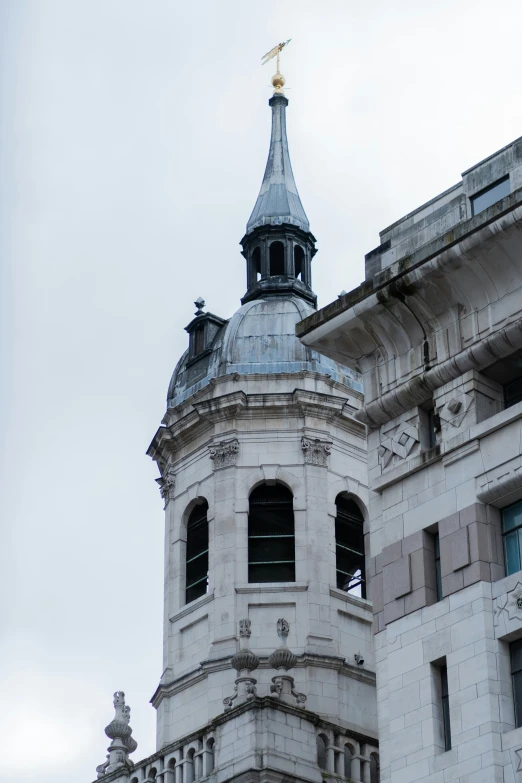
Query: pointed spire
<point>278,201</point>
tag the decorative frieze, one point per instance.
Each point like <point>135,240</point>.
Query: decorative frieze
<point>224,454</point>
<point>316,452</point>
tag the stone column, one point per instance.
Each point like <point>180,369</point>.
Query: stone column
<point>264,259</point>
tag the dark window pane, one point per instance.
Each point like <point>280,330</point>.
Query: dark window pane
<point>517,696</point>
<point>515,649</point>
<point>512,392</point>
<point>196,575</point>
<point>349,550</point>
<point>445,707</point>
<point>271,542</point>
<point>438,576</point>
<point>511,517</point>
<point>490,196</point>
<point>511,553</point>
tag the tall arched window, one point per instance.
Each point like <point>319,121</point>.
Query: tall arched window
<point>277,259</point>
<point>349,547</point>
<point>271,541</point>
<point>256,263</point>
<point>298,261</point>
<point>197,553</point>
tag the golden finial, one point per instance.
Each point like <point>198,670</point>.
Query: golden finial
<point>278,79</point>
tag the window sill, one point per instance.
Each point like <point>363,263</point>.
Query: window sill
<point>362,603</point>
<point>273,587</point>
<point>192,606</point>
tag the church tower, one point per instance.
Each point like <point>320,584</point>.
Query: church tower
<point>267,652</point>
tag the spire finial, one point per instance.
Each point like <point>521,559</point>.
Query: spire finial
<point>278,80</point>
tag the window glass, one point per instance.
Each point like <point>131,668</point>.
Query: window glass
<point>512,392</point>
<point>512,535</point>
<point>490,195</point>
<point>515,649</point>
<point>445,707</point>
<point>271,540</point>
<point>349,547</point>
<point>197,553</point>
<point>438,577</point>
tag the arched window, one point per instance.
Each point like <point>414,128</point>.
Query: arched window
<point>321,751</point>
<point>298,261</point>
<point>197,553</point>
<point>349,547</point>
<point>277,259</point>
<point>256,263</point>
<point>271,541</point>
<point>375,770</point>
<point>209,756</point>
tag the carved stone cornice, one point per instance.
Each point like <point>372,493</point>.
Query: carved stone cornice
<point>239,406</point>
<point>224,454</point>
<point>499,481</point>
<point>398,324</point>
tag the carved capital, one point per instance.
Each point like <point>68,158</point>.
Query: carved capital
<point>167,485</point>
<point>316,452</point>
<point>225,453</point>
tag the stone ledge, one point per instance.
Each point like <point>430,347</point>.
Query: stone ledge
<point>191,607</point>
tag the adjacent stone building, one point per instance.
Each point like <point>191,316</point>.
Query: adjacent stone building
<point>268,656</point>
<point>436,332</point>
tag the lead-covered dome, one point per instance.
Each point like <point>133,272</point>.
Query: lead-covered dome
<point>259,338</point>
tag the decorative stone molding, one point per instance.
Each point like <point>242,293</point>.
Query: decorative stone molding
<point>511,603</point>
<point>282,660</point>
<point>244,628</point>
<point>167,485</point>
<point>225,453</point>
<point>500,481</point>
<point>316,452</point>
<point>244,662</point>
<point>122,743</point>
<point>397,440</point>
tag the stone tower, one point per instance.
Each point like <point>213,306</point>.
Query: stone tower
<point>268,662</point>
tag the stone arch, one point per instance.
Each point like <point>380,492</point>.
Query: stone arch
<point>375,768</point>
<point>322,744</point>
<point>273,473</point>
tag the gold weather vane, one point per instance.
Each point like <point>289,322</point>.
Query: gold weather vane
<point>278,79</point>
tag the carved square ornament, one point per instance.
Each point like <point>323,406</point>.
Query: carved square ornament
<point>514,604</point>
<point>516,763</point>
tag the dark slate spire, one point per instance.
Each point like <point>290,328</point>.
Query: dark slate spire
<point>278,245</point>
<point>278,201</point>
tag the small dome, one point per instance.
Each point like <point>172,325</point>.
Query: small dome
<point>259,338</point>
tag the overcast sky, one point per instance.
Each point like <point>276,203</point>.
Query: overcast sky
<point>133,140</point>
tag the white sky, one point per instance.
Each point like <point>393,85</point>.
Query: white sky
<point>133,140</point>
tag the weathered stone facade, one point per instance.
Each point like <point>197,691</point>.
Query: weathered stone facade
<point>436,330</point>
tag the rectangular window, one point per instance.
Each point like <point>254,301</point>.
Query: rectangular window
<point>515,651</point>
<point>445,707</point>
<point>512,392</point>
<point>490,195</point>
<point>438,578</point>
<point>512,535</point>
